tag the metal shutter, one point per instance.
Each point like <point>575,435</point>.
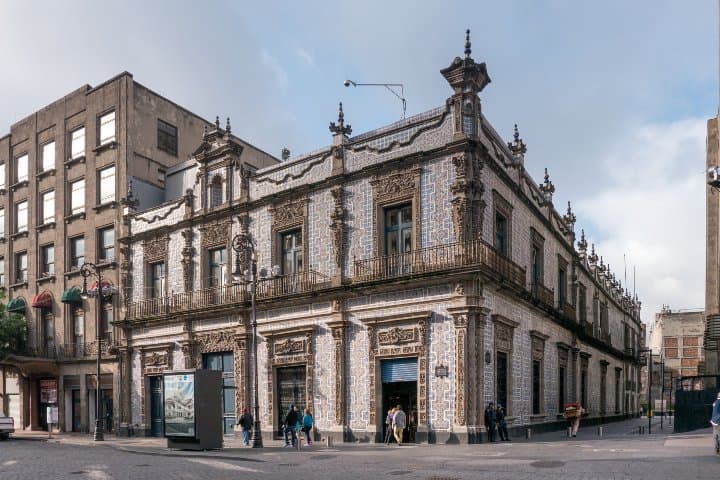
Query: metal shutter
<point>399,370</point>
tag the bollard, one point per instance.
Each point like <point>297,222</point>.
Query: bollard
<point>569,431</point>
<point>600,432</point>
<point>328,441</point>
<point>528,433</point>
<point>297,443</point>
<point>639,429</point>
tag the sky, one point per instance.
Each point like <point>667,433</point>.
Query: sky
<point>612,97</point>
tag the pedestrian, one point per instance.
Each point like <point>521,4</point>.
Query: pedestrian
<point>291,421</point>
<point>388,426</point>
<point>501,424</point>
<point>490,418</point>
<point>398,424</point>
<point>246,424</point>
<point>573,412</point>
<point>307,425</point>
<point>715,421</point>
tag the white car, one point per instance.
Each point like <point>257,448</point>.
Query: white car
<point>7,426</point>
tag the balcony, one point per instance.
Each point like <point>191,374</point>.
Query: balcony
<point>297,283</point>
<point>438,258</point>
<point>71,351</point>
<point>542,293</point>
<point>569,311</point>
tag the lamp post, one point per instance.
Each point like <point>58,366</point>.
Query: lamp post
<point>662,392</point>
<point>649,386</point>
<point>100,292</point>
<point>244,245</point>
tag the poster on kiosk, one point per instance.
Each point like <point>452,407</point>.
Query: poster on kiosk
<point>180,405</point>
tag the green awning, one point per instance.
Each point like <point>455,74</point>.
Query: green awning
<point>16,305</point>
<point>71,295</point>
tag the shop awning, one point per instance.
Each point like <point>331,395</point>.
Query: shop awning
<point>42,300</point>
<point>71,295</point>
<point>16,305</point>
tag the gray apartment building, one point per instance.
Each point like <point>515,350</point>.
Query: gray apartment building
<point>68,173</point>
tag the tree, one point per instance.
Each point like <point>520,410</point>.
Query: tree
<point>13,332</point>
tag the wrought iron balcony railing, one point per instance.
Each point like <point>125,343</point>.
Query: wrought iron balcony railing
<point>438,258</point>
<point>71,351</point>
<point>569,311</point>
<point>542,293</point>
<point>296,283</point>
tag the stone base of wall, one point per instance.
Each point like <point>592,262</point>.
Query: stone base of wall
<point>520,431</point>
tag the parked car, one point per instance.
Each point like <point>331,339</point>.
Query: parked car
<point>7,426</point>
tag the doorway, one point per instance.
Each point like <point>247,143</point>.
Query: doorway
<point>399,387</point>
<point>223,362</point>
<point>290,391</point>
<point>156,406</point>
<point>76,411</point>
<point>106,410</point>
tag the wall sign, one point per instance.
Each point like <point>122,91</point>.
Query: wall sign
<point>441,371</point>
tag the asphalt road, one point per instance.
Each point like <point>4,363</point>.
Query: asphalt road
<point>630,457</point>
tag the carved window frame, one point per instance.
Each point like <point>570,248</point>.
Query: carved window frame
<point>563,351</point>
<point>208,173</point>
<point>584,385</point>
<point>537,349</point>
<point>537,241</point>
<point>392,189</point>
<point>562,299</point>
<point>215,235</point>
<point>276,358</point>
<point>151,366</point>
<point>286,217</point>
<point>505,209</point>
<point>155,250</point>
<point>603,386</point>
<point>503,324</point>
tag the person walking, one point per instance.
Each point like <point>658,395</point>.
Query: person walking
<point>501,424</point>
<point>715,421</point>
<point>291,421</point>
<point>307,425</point>
<point>490,418</point>
<point>388,426</point>
<point>575,419</point>
<point>398,423</point>
<point>246,424</point>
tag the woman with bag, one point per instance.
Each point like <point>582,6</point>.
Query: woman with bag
<point>307,425</point>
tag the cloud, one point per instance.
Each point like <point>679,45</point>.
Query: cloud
<point>651,208</point>
<point>281,77</point>
<point>305,56</point>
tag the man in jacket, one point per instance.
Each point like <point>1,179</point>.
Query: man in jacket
<point>246,424</point>
<point>291,421</point>
<point>398,423</point>
<point>501,424</point>
<point>490,421</point>
<point>715,421</point>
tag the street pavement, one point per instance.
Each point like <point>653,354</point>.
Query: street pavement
<point>621,453</point>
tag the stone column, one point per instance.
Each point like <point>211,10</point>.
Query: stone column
<point>125,383</point>
<point>338,332</point>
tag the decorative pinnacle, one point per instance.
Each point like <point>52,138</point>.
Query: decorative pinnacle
<point>217,122</point>
<point>593,258</point>
<point>547,188</point>
<point>340,127</point>
<point>517,147</point>
<point>227,126</point>
<point>582,244</point>
<point>602,265</point>
<point>468,51</point>
<point>569,215</point>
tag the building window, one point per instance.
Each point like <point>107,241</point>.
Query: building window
<point>2,222</point>
<point>47,255</point>
<point>2,176</point>
<point>501,233</point>
<point>398,229</point>
<point>48,207</point>
<point>582,303</point>
<point>77,252</point>
<point>106,192</point>
<point>603,388</point>
<point>217,263</point>
<point>617,390</point>
<point>536,386</point>
<point>2,272</point>
<point>562,286</point>
<point>292,252</point>
<point>78,327</point>
<point>21,168</point>
<point>501,379</point>
<point>584,383</point>
<point>107,128</point>
<point>216,191</point>
<point>77,196</point>
<point>48,157</point>
<point>77,143</point>
<point>49,328</point>
<point>561,388</point>
<point>167,138</point>
<point>21,217</point>
<point>106,327</point>
<point>157,279</point>
<point>106,244</point>
<point>21,267</point>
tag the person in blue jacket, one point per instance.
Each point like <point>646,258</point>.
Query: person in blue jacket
<point>715,421</point>
<point>307,425</point>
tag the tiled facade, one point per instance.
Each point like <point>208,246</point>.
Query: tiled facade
<point>454,301</point>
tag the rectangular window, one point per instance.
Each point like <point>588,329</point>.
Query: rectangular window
<point>501,380</point>
<point>107,128</point>
<point>107,328</point>
<point>77,252</point>
<point>106,192</point>
<point>562,287</point>
<point>291,252</point>
<point>2,272</point>
<point>157,279</point>
<point>536,386</point>
<point>77,143</point>
<point>21,267</point>
<point>21,217</point>
<point>78,328</point>
<point>77,196</point>
<point>603,389</point>
<point>217,267</point>
<point>398,230</point>
<point>2,222</point>
<point>536,268</point>
<point>48,157</point>
<point>582,303</point>
<point>167,138</point>
<point>617,391</point>
<point>561,389</point>
<point>501,234</point>
<point>47,254</point>
<point>21,168</point>
<point>583,388</point>
<point>106,244</point>
<point>49,326</point>
<point>48,207</point>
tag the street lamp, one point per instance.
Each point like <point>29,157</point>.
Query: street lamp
<point>101,292</point>
<point>390,86</point>
<point>244,245</point>
<point>649,386</point>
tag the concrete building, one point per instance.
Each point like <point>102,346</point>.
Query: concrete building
<point>67,173</point>
<point>677,336</point>
<point>418,264</point>
<point>712,254</point>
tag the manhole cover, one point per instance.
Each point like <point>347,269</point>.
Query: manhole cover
<point>547,464</point>
<point>399,472</point>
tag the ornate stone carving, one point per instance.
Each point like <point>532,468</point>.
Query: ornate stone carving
<point>155,249</point>
<point>289,213</point>
<point>467,203</point>
<point>215,234</point>
<point>503,337</point>
<point>538,348</point>
<point>398,186</point>
<point>397,336</point>
<point>187,259</point>
<point>338,333</point>
<point>399,183</point>
<point>289,347</point>
<point>338,225</point>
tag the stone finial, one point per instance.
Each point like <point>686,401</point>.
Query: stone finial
<point>217,122</point>
<point>468,50</point>
<point>582,244</point>
<point>285,154</point>
<point>227,126</point>
<point>601,266</point>
<point>569,216</point>
<point>547,188</point>
<point>593,258</point>
<point>340,128</point>
<point>517,146</point>
<point>205,131</point>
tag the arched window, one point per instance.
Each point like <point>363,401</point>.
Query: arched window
<point>216,191</point>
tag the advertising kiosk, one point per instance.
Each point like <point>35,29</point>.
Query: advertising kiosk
<point>192,402</point>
